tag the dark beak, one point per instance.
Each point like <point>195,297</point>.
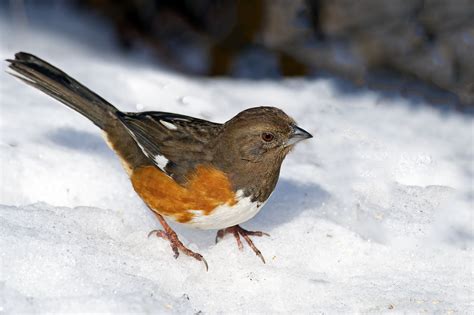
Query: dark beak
<point>298,135</point>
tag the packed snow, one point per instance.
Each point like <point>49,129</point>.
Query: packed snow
<point>372,215</point>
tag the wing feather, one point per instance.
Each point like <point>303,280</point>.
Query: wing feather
<point>174,143</point>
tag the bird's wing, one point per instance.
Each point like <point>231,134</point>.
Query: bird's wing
<point>174,143</point>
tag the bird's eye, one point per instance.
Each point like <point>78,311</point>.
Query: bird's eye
<point>267,136</point>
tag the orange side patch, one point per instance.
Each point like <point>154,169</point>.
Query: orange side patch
<point>206,189</point>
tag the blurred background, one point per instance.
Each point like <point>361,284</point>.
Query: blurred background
<point>420,48</point>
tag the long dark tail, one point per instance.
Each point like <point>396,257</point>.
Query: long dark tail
<point>54,82</point>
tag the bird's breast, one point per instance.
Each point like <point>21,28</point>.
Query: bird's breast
<point>205,201</point>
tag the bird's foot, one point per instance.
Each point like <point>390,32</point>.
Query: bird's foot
<point>175,243</point>
<point>237,231</point>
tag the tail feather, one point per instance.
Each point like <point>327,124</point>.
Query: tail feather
<point>54,82</point>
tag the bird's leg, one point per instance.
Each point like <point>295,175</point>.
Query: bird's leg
<point>237,231</point>
<point>175,243</point>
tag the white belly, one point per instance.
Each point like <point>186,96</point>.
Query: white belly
<point>225,215</point>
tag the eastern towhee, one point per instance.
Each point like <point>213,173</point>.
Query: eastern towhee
<point>196,172</point>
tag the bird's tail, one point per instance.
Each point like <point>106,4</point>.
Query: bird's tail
<point>54,82</point>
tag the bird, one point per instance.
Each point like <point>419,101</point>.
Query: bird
<point>202,174</point>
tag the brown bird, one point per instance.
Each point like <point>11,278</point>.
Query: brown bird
<point>199,173</point>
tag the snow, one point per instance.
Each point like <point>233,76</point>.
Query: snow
<point>373,215</point>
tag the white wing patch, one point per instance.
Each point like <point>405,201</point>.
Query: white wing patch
<point>168,125</point>
<point>224,215</point>
<point>160,161</point>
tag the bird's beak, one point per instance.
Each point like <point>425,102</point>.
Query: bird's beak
<point>298,134</point>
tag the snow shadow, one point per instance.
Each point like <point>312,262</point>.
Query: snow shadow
<point>287,202</point>
<point>391,86</point>
<point>79,140</point>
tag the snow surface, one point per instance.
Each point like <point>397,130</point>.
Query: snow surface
<point>373,215</point>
